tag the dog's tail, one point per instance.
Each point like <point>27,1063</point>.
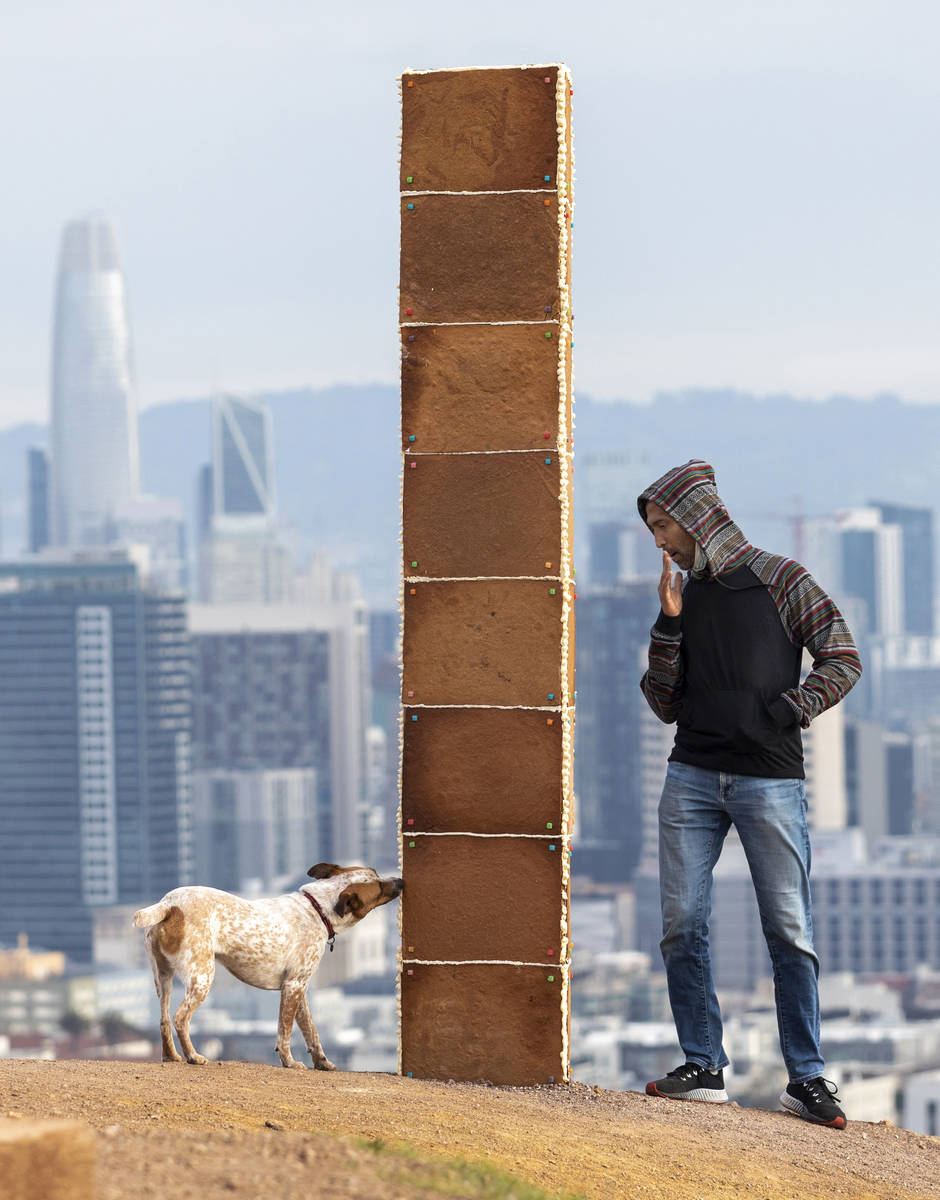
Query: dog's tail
<point>152,915</point>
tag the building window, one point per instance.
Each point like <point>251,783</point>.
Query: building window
<point>876,891</point>
<point>898,889</point>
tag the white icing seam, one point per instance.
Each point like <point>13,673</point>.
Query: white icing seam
<point>410,453</point>
<point>514,67</point>
<point>401,659</point>
<point>493,192</point>
<point>501,707</point>
<point>565,211</point>
<point>430,324</point>
<point>548,837</point>
<point>480,578</point>
<point>483,962</point>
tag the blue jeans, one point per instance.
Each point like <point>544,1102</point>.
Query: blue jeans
<point>697,809</point>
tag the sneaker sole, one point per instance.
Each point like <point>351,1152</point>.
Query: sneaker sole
<point>796,1108</point>
<point>707,1095</point>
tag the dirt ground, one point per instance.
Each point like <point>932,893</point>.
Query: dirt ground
<point>236,1129</point>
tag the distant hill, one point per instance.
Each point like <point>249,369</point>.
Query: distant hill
<point>338,468</point>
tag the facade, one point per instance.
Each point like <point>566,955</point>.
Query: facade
<point>37,499</point>
<point>240,558</point>
<point>94,408</point>
<point>872,558</point>
<point>917,548</point>
<point>286,687</point>
<point>613,634</point>
<point>156,524</point>
<point>254,829</point>
<point>95,720</point>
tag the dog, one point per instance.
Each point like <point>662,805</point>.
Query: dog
<point>274,944</point>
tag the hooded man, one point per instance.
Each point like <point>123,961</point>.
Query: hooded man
<point>724,664</point>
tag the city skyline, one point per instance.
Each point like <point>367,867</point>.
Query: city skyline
<point>752,194</point>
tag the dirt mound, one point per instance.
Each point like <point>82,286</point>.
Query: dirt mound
<point>177,1132</point>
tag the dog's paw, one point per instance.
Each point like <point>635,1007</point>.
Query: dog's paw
<point>323,1064</point>
<point>173,1058</point>
<point>197,1060</point>
<point>295,1065</point>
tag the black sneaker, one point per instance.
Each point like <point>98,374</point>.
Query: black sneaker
<point>690,1082</point>
<point>814,1100</point>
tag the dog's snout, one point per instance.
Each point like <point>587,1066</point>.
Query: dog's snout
<point>397,886</point>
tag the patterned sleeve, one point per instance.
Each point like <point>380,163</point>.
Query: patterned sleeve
<point>812,620</point>
<point>663,684</point>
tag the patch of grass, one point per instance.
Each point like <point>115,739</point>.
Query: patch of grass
<point>453,1177</point>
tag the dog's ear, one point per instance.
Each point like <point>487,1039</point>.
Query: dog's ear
<point>324,870</point>
<point>349,901</point>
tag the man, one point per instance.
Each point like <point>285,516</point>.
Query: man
<point>724,663</point>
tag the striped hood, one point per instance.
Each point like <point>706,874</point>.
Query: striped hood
<point>689,495</point>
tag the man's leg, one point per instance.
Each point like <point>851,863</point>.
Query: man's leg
<point>692,827</point>
<point>770,817</point>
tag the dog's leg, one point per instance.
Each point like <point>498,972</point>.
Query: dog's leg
<point>198,981</point>
<point>163,981</point>
<point>292,993</point>
<point>311,1037</point>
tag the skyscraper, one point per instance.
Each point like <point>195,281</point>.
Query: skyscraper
<point>94,411</point>
<point>916,525</point>
<point>37,498</point>
<point>613,637</point>
<point>95,718</point>
<point>240,558</point>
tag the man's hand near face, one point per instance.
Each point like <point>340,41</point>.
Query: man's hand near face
<point>670,589</point>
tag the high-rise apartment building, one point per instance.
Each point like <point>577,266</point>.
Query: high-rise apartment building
<point>94,410</point>
<point>95,721</point>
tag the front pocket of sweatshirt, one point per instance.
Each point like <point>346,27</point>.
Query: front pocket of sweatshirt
<point>727,719</point>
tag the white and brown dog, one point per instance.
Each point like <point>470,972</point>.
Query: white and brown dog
<point>274,944</point>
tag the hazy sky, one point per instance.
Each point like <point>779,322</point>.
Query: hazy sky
<point>757,202</point>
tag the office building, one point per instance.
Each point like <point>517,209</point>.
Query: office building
<point>94,409</point>
<point>241,560</point>
<point>157,525</point>
<point>872,568</point>
<point>254,830</point>
<point>37,499</point>
<point>917,551</point>
<point>95,722</point>
<point>879,766</point>
<point>613,633</point>
<point>286,687</point>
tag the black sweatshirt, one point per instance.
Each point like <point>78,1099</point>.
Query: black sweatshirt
<point>736,662</point>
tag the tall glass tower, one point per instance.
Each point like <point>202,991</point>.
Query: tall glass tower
<point>94,410</point>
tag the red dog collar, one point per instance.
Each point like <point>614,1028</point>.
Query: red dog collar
<point>331,932</point>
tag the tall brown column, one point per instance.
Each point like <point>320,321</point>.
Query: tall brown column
<point>488,588</point>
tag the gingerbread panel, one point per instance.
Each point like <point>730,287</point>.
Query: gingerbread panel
<point>492,642</point>
<point>479,387</point>
<point>484,130</point>
<point>483,514</point>
<point>482,770</point>
<point>493,1023</point>
<point>479,258</point>
<point>482,897</point>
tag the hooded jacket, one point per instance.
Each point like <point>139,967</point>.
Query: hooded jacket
<point>727,669</point>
